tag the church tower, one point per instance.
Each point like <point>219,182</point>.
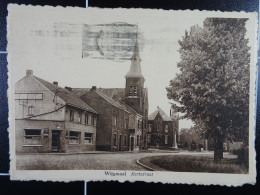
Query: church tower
<point>135,83</point>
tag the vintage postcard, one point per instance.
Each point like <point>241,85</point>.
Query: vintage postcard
<point>132,95</point>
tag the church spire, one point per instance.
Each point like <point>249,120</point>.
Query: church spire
<point>135,68</point>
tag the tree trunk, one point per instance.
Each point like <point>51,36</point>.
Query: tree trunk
<point>218,149</point>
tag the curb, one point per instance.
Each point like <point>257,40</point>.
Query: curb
<point>141,164</point>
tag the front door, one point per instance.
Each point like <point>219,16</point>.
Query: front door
<point>132,143</point>
<point>55,144</point>
<point>120,142</point>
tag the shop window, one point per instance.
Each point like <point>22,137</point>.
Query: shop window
<point>114,140</point>
<point>88,138</point>
<point>71,115</point>
<point>74,137</point>
<point>32,137</point>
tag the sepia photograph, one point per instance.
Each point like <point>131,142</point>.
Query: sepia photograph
<point>132,95</point>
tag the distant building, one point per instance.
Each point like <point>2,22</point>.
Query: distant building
<point>162,129</point>
<point>49,118</point>
<point>123,112</point>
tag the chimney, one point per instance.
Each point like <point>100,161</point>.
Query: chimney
<point>68,88</point>
<point>29,73</point>
<point>94,88</point>
<point>55,83</point>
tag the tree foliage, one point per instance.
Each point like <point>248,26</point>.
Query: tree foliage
<point>212,88</point>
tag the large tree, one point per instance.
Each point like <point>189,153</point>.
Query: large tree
<point>212,88</point>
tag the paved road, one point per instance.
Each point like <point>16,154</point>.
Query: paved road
<point>107,161</point>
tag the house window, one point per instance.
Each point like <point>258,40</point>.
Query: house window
<point>88,138</point>
<point>114,140</point>
<point>166,139</point>
<point>149,128</point>
<point>139,124</point>
<point>30,110</point>
<point>166,128</point>
<point>115,120</point>
<point>71,115</point>
<point>158,127</point>
<point>74,137</point>
<point>80,117</point>
<point>126,123</point>
<point>138,139</point>
<point>86,119</point>
<point>122,121</point>
<point>32,137</point>
<point>149,138</point>
<point>92,120</point>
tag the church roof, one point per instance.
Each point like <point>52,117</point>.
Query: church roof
<point>67,96</point>
<point>135,68</point>
<point>159,111</point>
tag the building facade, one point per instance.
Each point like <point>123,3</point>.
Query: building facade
<point>162,130</point>
<point>49,118</point>
<point>123,112</point>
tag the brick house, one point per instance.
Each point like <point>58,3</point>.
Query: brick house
<point>49,118</point>
<point>162,130</point>
<point>123,112</point>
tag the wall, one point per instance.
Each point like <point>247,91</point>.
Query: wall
<point>45,108</point>
<point>20,125</point>
<point>120,129</point>
<point>104,120</point>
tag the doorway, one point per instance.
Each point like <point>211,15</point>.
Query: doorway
<point>55,144</point>
<point>132,143</point>
<point>120,142</point>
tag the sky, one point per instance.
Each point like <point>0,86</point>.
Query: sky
<point>32,44</point>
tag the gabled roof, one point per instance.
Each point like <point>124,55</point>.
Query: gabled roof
<point>159,111</point>
<point>67,96</point>
<point>115,96</point>
<point>80,91</point>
